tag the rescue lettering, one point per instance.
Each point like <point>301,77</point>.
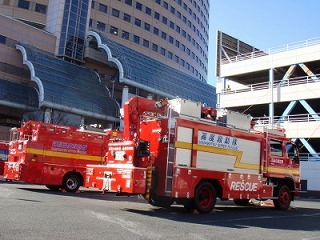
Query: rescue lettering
<point>244,186</point>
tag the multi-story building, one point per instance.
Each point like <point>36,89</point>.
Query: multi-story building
<point>279,87</point>
<point>84,57</point>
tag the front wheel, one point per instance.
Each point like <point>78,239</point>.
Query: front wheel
<point>205,197</point>
<point>283,199</point>
<point>71,182</point>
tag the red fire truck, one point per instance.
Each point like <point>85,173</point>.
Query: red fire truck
<point>178,151</point>
<point>3,155</point>
<point>53,155</point>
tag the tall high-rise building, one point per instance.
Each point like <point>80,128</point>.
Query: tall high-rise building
<point>85,57</point>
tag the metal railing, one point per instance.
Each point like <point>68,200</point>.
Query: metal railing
<point>306,117</point>
<point>282,48</point>
<point>309,157</point>
<point>277,83</point>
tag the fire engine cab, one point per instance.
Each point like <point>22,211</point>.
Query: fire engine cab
<point>179,151</point>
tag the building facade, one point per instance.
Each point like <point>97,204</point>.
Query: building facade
<point>279,87</point>
<point>157,48</point>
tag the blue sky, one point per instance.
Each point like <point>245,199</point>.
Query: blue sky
<point>262,23</point>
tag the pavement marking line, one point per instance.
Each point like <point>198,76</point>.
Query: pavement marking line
<point>130,226</point>
<point>264,217</point>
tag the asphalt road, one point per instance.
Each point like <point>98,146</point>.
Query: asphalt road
<point>34,212</point>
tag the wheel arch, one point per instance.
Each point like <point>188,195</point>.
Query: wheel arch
<point>215,183</point>
<point>288,181</point>
<point>74,172</point>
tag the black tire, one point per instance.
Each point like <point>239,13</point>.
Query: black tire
<point>205,197</point>
<point>53,187</point>
<point>241,202</point>
<point>71,182</point>
<point>188,205</point>
<point>161,201</point>
<point>283,199</point>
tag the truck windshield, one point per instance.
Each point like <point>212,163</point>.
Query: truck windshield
<point>293,152</point>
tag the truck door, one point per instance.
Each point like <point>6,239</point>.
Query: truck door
<point>277,160</point>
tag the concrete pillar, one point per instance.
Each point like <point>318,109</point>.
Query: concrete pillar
<point>125,97</point>
<point>271,105</point>
<point>48,115</point>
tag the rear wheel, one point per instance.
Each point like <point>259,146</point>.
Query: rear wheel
<point>283,200</point>
<point>161,201</point>
<point>205,197</point>
<point>53,187</point>
<point>241,202</point>
<point>71,182</point>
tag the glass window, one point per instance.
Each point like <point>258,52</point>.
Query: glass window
<point>184,19</point>
<point>3,39</point>
<point>178,29</point>
<point>164,35</point>
<point>101,26</point>
<point>156,31</point>
<point>126,17</point>
<point>170,39</point>
<point>185,7</point>
<point>155,47</point>
<point>165,5</point>
<point>172,10</point>
<point>158,1</point>
<point>40,8</point>
<point>90,22</point>
<point>148,11</point>
<point>145,43</point>
<point>137,22</point>
<point>129,2</point>
<point>125,35</point>
<point>177,44</point>
<point>276,148</point>
<point>113,30</point>
<point>136,39</point>
<point>156,15</point>
<point>162,51</point>
<point>115,12</point>
<point>171,25</point>
<point>139,6</point>
<point>23,4</point>
<point>176,58</point>
<point>179,14</point>
<point>170,55</point>
<point>147,26</point>
<point>164,20</point>
<point>92,4</point>
<point>103,8</point>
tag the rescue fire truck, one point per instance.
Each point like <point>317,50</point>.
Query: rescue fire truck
<point>3,155</point>
<point>179,151</point>
<point>53,155</point>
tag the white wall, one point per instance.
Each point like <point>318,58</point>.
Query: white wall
<point>310,171</point>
